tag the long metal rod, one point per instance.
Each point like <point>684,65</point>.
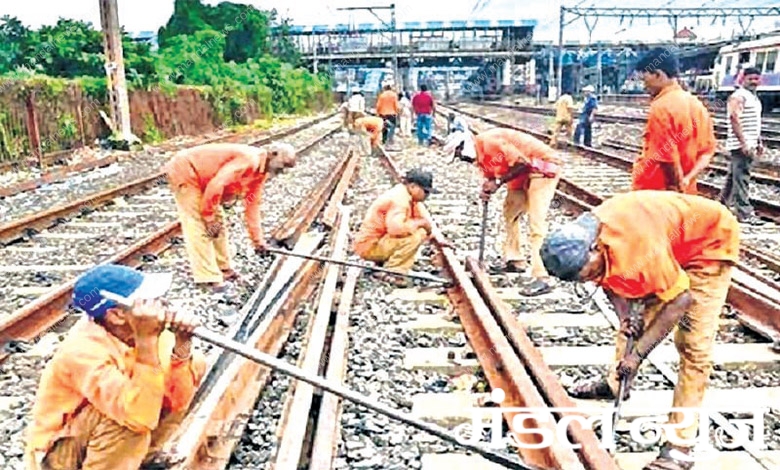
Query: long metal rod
<point>484,231</point>
<point>621,389</point>
<point>279,365</point>
<point>422,277</point>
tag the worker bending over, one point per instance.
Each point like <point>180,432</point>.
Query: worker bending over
<point>531,171</point>
<point>679,134</point>
<point>203,177</point>
<point>120,382</point>
<point>393,228</point>
<point>673,253</point>
<point>371,126</point>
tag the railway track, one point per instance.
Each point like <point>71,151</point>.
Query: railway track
<point>770,135</point>
<point>386,345</point>
<point>135,211</point>
<point>569,344</point>
<point>609,170</point>
<point>20,370</point>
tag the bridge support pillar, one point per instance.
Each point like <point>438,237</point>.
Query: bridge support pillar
<point>506,77</point>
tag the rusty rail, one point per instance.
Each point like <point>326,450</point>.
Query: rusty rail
<point>21,227</point>
<point>220,409</point>
<point>292,432</point>
<point>36,317</point>
<point>752,294</point>
<point>503,365</point>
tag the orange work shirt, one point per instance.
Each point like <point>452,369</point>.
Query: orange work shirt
<point>393,214</point>
<point>371,124</point>
<point>680,131</point>
<point>387,103</point>
<point>500,149</point>
<point>94,367</point>
<point>652,237</point>
<point>223,172</point>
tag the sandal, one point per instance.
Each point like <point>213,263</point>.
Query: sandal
<point>665,460</point>
<point>230,275</point>
<point>392,280</point>
<point>536,287</point>
<point>595,389</point>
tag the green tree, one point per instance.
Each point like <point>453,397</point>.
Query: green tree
<point>14,36</point>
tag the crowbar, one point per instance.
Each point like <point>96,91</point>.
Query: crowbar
<point>484,231</point>
<point>635,310</point>
<point>279,365</point>
<point>419,276</point>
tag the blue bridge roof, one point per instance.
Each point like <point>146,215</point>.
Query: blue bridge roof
<point>414,26</point>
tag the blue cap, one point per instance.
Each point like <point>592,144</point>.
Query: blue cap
<point>566,250</point>
<point>120,280</point>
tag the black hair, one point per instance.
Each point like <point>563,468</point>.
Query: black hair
<point>659,60</point>
<point>423,87</point>
<point>751,71</point>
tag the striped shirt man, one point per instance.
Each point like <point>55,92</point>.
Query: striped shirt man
<point>746,105</point>
<point>743,142</point>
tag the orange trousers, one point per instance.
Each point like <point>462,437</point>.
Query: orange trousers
<point>397,253</point>
<point>98,443</point>
<point>693,339</point>
<point>536,202</point>
<point>208,256</point>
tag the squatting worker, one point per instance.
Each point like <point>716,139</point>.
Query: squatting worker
<point>673,253</point>
<point>531,171</point>
<point>564,116</point>
<point>679,134</point>
<point>371,126</point>
<point>203,177</point>
<point>393,228</point>
<point>387,109</point>
<point>120,382</point>
<point>743,141</point>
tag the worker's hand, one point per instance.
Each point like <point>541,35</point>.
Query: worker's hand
<point>684,183</point>
<point>489,186</point>
<point>629,366</point>
<point>749,152</point>
<point>632,326</point>
<point>760,150</point>
<point>213,229</point>
<point>181,323</point>
<point>425,224</point>
<point>147,318</point>
<point>261,248</point>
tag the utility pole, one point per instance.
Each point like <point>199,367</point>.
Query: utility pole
<point>392,26</point>
<point>115,70</point>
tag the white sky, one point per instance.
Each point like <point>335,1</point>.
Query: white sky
<point>149,15</point>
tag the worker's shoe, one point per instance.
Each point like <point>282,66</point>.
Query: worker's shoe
<point>595,389</point>
<point>213,287</point>
<point>536,287</point>
<point>752,220</point>
<point>514,266</point>
<point>671,457</point>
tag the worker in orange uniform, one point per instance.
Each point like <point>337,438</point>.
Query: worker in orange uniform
<point>393,229</point>
<point>564,111</point>
<point>201,178</point>
<point>531,171</point>
<point>672,254</point>
<point>120,382</point>
<point>371,126</point>
<point>679,134</point>
<point>387,109</point>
